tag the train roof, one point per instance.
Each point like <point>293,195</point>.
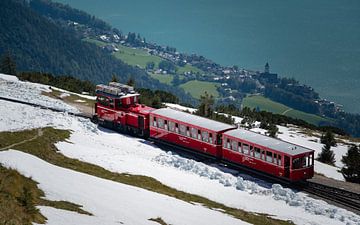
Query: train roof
<point>192,119</point>
<point>269,142</point>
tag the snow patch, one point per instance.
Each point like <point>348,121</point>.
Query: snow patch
<point>276,191</point>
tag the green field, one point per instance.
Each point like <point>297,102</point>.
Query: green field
<point>197,88</point>
<point>140,57</point>
<point>136,57</point>
<point>188,68</point>
<point>278,108</point>
<point>163,78</point>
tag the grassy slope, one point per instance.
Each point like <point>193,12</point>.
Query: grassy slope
<point>140,57</point>
<point>189,68</point>
<point>44,148</point>
<point>278,108</point>
<point>163,78</point>
<point>197,88</point>
<point>136,57</point>
<point>20,195</point>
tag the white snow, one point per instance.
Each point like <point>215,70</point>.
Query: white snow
<point>8,77</point>
<point>180,107</point>
<point>31,92</point>
<point>120,153</point>
<point>64,95</point>
<point>73,93</point>
<point>108,201</point>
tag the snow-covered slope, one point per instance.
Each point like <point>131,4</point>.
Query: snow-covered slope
<point>110,202</point>
<point>11,87</point>
<point>120,153</point>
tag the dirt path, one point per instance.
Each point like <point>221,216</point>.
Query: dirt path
<point>39,134</point>
<point>288,110</point>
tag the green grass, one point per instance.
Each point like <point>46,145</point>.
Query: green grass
<point>20,195</point>
<point>140,57</point>
<point>44,148</point>
<point>163,78</point>
<point>278,108</point>
<point>136,57</point>
<point>97,42</point>
<point>197,88</point>
<point>131,56</point>
<point>189,68</point>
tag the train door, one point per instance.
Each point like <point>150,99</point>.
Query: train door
<point>287,166</point>
<point>141,126</point>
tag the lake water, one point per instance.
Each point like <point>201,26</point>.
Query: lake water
<point>316,42</point>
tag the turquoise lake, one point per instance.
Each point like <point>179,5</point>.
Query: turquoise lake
<point>316,42</point>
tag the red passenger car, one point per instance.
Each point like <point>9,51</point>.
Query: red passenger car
<point>269,155</point>
<point>190,131</point>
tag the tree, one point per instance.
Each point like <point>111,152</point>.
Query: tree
<point>167,66</point>
<point>150,65</point>
<point>327,155</point>
<point>272,130</point>
<point>131,82</point>
<point>351,169</point>
<point>114,78</point>
<point>176,80</point>
<point>8,65</point>
<point>328,137</point>
<point>206,105</point>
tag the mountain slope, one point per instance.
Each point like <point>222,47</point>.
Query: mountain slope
<point>37,44</point>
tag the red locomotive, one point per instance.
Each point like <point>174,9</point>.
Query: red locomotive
<point>117,108</point>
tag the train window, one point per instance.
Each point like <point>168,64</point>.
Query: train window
<point>160,123</point>
<point>296,163</point>
<point>171,126</point>
<point>103,100</point>
<point>269,157</point>
<point>310,159</point>
<point>218,141</point>
<point>182,129</point>
<point>246,149</point>
<point>211,138</point>
<point>194,132</point>
<point>239,147</point>
<point>257,152</point>
<point>205,136</point>
<point>188,131</point>
<point>118,103</point>
<point>279,160</point>
<point>199,134</point>
<point>228,144</point>
<point>176,127</point>
<point>225,141</point>
<point>165,124</point>
<point>234,145</point>
<point>275,159</point>
<point>154,122</point>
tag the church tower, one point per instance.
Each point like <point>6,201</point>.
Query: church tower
<point>267,68</point>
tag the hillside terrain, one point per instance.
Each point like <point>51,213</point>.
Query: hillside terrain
<point>115,178</point>
<point>39,44</point>
<point>68,41</point>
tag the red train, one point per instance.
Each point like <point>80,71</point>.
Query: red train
<point>117,108</point>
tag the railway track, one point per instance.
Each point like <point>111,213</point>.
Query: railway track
<point>345,198</point>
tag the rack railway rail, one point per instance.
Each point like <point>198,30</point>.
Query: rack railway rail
<point>348,199</point>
